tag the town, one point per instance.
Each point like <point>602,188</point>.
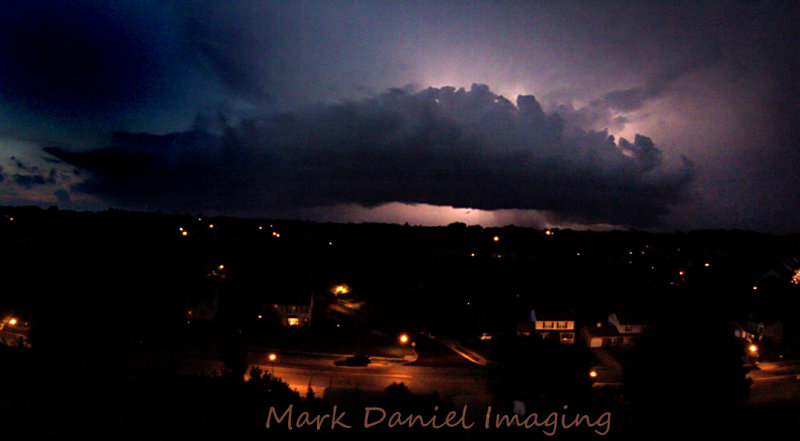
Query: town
<point>152,321</point>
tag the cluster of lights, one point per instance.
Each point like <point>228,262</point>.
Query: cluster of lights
<point>548,233</point>
<point>796,277</point>
<point>276,234</point>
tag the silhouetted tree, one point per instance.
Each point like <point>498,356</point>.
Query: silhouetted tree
<point>687,376</point>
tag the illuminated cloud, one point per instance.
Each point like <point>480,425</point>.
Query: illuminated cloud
<point>444,147</point>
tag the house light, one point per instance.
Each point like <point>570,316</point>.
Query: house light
<point>210,225</point>
<point>222,267</point>
<point>293,321</point>
<point>184,233</point>
<point>753,349</point>
<point>593,374</point>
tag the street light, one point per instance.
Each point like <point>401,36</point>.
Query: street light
<point>593,374</point>
<point>272,357</point>
<point>753,349</point>
<point>12,322</point>
<point>403,338</point>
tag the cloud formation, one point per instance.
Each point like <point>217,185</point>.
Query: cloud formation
<point>446,146</point>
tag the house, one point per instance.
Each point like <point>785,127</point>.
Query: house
<point>602,335</point>
<point>740,333</point>
<point>765,328</point>
<point>294,314</point>
<point>558,325</point>
<point>628,323</point>
<point>621,330</point>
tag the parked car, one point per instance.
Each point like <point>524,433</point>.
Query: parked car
<point>355,360</point>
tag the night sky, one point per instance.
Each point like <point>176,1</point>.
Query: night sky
<point>653,115</point>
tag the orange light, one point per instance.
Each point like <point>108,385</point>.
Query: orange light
<point>404,339</point>
<point>12,322</point>
<point>341,289</point>
<point>496,238</point>
<point>273,357</point>
<point>210,225</point>
<point>753,349</point>
<point>222,267</point>
<point>593,374</point>
<point>184,233</point>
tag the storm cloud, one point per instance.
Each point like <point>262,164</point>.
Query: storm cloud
<point>439,146</point>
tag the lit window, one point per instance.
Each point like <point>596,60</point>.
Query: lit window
<point>294,321</point>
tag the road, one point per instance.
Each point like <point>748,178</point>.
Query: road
<point>436,370</point>
<point>775,381</point>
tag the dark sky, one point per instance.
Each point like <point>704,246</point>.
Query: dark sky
<point>655,115</point>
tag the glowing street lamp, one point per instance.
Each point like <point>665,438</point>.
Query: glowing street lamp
<point>496,238</point>
<point>12,322</point>
<point>272,357</point>
<point>753,349</point>
<point>593,374</point>
<point>403,338</point>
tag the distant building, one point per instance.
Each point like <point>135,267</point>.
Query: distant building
<point>621,330</point>
<point>295,314</point>
<point>557,325</point>
<point>766,328</point>
<point>604,335</point>
<point>741,333</point>
<point>628,323</point>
